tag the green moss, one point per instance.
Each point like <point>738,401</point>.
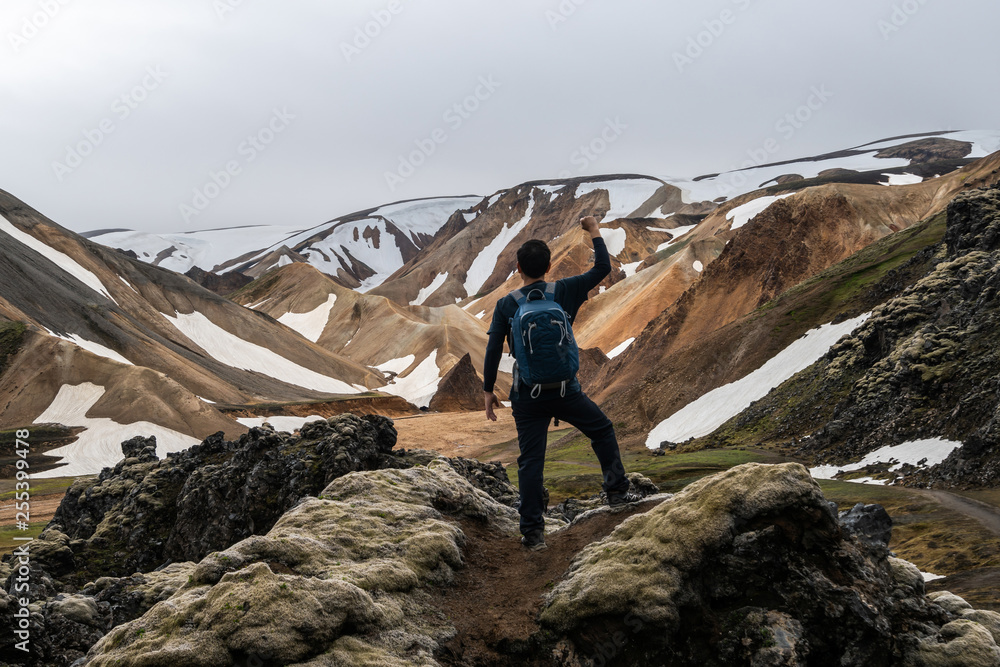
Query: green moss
<point>11,339</point>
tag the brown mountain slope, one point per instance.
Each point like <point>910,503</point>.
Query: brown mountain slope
<point>145,325</point>
<point>370,329</point>
<point>717,333</point>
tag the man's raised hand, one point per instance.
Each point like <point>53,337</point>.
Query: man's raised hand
<point>590,225</point>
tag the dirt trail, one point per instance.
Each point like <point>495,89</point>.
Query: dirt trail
<point>467,434</point>
<point>987,515</point>
<point>496,598</point>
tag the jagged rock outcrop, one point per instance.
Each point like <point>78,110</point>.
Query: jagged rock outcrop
<point>749,567</point>
<point>145,512</point>
<point>337,581</point>
<point>925,365</point>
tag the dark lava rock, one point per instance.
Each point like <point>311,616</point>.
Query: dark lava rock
<point>144,512</point>
<point>869,523</point>
<point>489,477</point>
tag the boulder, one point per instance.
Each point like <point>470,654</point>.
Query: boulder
<point>338,575</point>
<point>961,643</point>
<point>749,566</point>
<point>869,523</point>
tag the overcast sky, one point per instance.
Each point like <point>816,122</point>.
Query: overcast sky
<point>175,115</point>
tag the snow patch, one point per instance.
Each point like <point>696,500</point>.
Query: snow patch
<point>280,423</point>
<point>550,189</point>
<point>506,363</point>
<point>311,324</point>
<point>99,446</point>
<point>419,385</point>
<point>741,215</point>
<point>259,304</point>
<point>630,269</point>
<point>430,289</point>
<point>60,259</point>
<point>621,348</point>
<point>715,408</point>
<point>924,453</point>
<point>903,179</point>
<point>232,350</point>
<point>626,195</point>
<point>95,348</point>
<point>397,366</point>
<point>615,240</point>
<point>735,183</point>
<point>484,264</point>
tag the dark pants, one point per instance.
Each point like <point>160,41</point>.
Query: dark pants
<point>532,417</point>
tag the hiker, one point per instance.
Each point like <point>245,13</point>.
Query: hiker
<point>548,388</point>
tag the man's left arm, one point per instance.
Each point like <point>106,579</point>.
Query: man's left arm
<point>491,364</point>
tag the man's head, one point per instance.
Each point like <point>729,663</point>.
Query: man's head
<point>534,258</point>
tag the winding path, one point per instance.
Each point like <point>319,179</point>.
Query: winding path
<point>985,514</point>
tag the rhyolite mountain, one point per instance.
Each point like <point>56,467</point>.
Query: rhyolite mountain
<point>378,307</point>
<point>333,546</point>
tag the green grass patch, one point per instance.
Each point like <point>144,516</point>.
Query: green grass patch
<point>572,469</point>
<point>40,487</point>
<point>8,533</point>
<point>11,339</point>
<point>39,433</point>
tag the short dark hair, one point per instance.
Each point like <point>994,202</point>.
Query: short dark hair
<point>534,258</point>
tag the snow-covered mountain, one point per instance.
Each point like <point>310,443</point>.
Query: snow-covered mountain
<point>392,298</point>
<point>351,248</point>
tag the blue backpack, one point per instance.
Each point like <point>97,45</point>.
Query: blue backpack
<point>542,341</point>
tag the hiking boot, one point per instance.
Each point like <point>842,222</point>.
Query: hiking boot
<point>624,498</point>
<point>534,541</point>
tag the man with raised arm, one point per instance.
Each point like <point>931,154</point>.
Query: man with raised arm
<point>535,405</point>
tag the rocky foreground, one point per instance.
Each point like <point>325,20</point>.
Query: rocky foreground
<point>331,548</point>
